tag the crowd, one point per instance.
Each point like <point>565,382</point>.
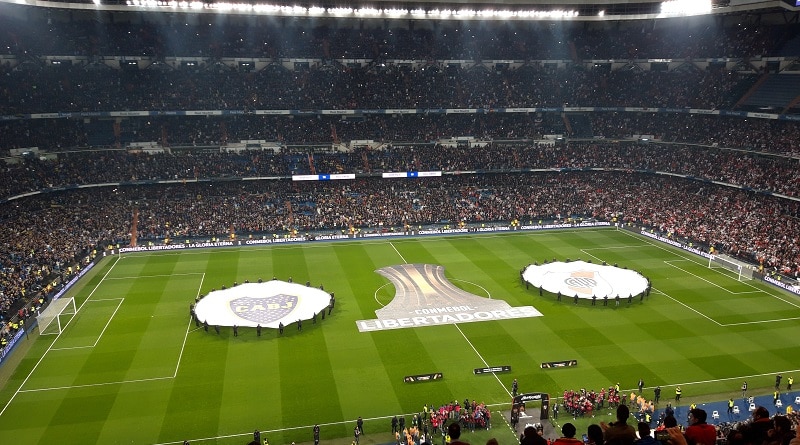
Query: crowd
<point>433,421</point>
<point>46,238</point>
<point>754,170</point>
<point>584,403</point>
<point>33,86</point>
<point>298,134</point>
<point>76,88</point>
<point>761,135</point>
<point>53,33</point>
<point>760,429</point>
<point>72,224</point>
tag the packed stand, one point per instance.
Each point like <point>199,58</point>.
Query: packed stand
<point>72,224</point>
<point>264,36</point>
<point>47,89</point>
<point>759,172</point>
<point>760,135</point>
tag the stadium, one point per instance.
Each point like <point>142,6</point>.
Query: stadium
<point>333,223</point>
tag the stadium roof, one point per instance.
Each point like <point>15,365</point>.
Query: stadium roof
<point>583,10</point>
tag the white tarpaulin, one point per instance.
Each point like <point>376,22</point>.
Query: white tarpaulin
<point>585,279</point>
<point>265,304</point>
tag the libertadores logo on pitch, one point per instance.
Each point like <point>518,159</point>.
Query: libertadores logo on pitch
<point>425,297</point>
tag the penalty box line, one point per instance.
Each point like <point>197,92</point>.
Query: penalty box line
<point>755,291</point>
<point>96,340</point>
<point>687,258</point>
<point>669,263</point>
<point>119,382</point>
<point>41,359</point>
<point>717,322</point>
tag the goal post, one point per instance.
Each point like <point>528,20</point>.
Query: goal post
<point>742,270</point>
<point>55,316</point>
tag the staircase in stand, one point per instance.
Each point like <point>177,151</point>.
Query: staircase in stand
<point>134,227</point>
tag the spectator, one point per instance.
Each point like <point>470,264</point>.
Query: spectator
<point>619,432</point>
<point>645,438</point>
<point>567,436</point>
<point>699,432</point>
<point>530,436</point>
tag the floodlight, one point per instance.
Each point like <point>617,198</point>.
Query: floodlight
<point>685,7</point>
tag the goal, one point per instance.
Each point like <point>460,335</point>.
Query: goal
<point>55,316</point>
<point>742,270</point>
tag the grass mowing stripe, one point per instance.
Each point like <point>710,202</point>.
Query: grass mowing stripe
<point>84,408</point>
<point>356,357</point>
<point>138,411</point>
<point>308,390</point>
<point>290,265</point>
<point>690,331</point>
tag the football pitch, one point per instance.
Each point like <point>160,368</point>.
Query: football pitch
<point>131,367</point>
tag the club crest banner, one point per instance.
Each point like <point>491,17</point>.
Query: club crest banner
<point>265,304</point>
<point>264,310</point>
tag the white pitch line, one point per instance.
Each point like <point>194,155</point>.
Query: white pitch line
<point>700,382</point>
<point>690,308</point>
<point>73,347</point>
<point>488,295</point>
<point>109,321</point>
<point>291,428</point>
<point>188,328</point>
<point>632,246</point>
<point>669,263</point>
<point>97,340</point>
<point>156,276</point>
<point>398,252</point>
<point>673,252</point>
<point>741,323</point>
<point>725,324</point>
<point>41,359</point>
<point>513,431</point>
<point>593,256</point>
<point>586,251</point>
<point>756,291</point>
<point>120,382</point>
<point>327,244</point>
<point>376,294</point>
<point>481,358</point>
<point>307,427</point>
<point>92,385</point>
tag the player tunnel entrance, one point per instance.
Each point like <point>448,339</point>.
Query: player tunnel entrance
<point>528,403</point>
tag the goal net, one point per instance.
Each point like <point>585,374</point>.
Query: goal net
<point>742,270</point>
<point>56,315</point>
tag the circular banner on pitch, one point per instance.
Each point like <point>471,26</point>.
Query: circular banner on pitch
<point>266,304</point>
<point>585,279</point>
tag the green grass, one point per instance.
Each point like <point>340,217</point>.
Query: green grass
<point>131,369</point>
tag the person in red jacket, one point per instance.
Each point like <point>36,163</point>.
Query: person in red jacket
<point>568,430</point>
<point>699,432</point>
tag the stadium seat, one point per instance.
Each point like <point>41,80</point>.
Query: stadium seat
<point>736,409</point>
<point>752,407</point>
<point>715,415</point>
